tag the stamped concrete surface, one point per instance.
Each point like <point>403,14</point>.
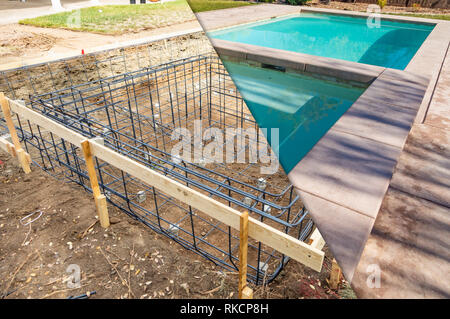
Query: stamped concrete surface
<point>410,243</point>
<point>423,169</point>
<point>410,240</point>
<point>438,112</point>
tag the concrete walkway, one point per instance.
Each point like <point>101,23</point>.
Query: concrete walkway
<point>13,11</point>
<point>410,241</point>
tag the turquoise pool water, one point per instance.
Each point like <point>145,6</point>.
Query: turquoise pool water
<point>392,45</point>
<point>302,107</point>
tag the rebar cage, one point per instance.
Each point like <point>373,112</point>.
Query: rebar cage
<point>135,113</point>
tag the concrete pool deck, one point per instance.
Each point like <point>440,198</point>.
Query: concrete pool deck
<point>410,239</point>
<point>347,182</point>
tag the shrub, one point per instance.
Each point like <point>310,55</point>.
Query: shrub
<point>297,2</point>
<point>382,3</point>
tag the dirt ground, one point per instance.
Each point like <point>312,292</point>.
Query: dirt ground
<point>127,260</point>
<point>22,44</point>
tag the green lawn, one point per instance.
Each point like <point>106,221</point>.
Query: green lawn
<point>208,5</point>
<point>117,19</point>
<point>426,16</point>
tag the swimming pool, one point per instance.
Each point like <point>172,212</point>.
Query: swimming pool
<point>391,45</point>
<point>302,107</point>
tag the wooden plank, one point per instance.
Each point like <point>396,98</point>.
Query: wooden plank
<point>316,240</point>
<point>100,200</point>
<point>21,154</point>
<point>52,126</point>
<point>243,247</point>
<point>288,245</point>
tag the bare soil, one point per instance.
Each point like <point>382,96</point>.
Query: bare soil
<point>23,43</point>
<point>13,43</point>
<point>127,260</point>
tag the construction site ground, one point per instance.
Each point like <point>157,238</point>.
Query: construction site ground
<point>127,260</point>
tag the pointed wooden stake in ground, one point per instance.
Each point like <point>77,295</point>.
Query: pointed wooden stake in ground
<point>335,275</point>
<point>100,199</point>
<point>245,292</point>
<point>21,154</point>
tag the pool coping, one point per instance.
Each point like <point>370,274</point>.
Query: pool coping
<point>349,170</point>
<point>298,62</point>
<point>420,63</point>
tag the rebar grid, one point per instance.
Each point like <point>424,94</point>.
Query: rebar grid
<point>135,113</point>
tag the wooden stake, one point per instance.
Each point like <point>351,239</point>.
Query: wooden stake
<point>12,150</point>
<point>100,199</point>
<point>245,292</point>
<point>21,154</point>
<point>316,240</point>
<point>335,275</point>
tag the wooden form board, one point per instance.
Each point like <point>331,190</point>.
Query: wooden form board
<point>288,245</point>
